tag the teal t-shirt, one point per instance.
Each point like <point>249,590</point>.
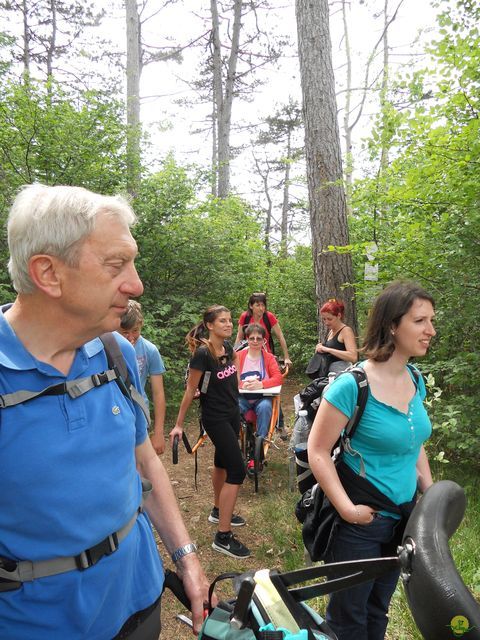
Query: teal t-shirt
<point>388,440</point>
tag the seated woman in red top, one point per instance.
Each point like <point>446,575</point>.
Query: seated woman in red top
<point>257,369</point>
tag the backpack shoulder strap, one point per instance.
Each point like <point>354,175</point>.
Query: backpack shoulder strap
<point>415,372</point>
<point>362,396</point>
<point>116,361</point>
<point>268,324</point>
<point>115,357</point>
<point>266,321</point>
<point>246,322</point>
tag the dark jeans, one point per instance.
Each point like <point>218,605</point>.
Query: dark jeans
<point>263,410</point>
<point>360,613</point>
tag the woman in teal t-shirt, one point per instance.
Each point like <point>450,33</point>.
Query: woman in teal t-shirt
<point>387,449</point>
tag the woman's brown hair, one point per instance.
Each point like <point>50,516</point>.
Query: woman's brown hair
<point>387,311</point>
<point>198,335</point>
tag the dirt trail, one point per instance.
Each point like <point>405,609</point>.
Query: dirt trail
<point>196,505</point>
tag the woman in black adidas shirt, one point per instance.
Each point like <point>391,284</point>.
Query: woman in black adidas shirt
<point>213,370</point>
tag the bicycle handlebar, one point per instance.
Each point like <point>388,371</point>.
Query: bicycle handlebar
<point>439,601</point>
<point>173,582</point>
<point>175,450</point>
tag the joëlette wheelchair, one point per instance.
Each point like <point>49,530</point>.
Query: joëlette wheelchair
<point>442,606</point>
<point>253,446</point>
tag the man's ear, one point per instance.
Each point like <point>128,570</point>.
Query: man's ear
<point>44,272</point>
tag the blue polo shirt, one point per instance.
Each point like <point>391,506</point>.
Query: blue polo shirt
<point>67,480</point>
<point>388,440</point>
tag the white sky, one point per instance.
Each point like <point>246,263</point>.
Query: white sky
<point>164,83</point>
<point>170,79</point>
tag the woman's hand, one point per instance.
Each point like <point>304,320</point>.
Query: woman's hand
<point>176,431</point>
<point>320,348</point>
<point>251,385</point>
<point>359,514</point>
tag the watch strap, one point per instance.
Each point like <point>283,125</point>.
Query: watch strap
<point>183,551</point>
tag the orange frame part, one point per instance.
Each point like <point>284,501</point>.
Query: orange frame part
<point>274,418</point>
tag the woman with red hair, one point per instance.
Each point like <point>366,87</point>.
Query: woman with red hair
<point>340,343</point>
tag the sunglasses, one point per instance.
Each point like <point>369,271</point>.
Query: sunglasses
<point>256,339</point>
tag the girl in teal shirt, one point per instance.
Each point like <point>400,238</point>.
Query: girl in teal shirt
<point>388,450</point>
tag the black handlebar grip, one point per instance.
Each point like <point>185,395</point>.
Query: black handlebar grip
<point>173,582</point>
<point>175,450</point>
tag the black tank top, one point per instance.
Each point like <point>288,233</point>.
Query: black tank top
<point>334,343</point>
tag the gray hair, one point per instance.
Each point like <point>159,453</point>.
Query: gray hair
<point>55,221</point>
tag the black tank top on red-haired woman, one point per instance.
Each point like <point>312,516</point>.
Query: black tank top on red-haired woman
<point>334,343</point>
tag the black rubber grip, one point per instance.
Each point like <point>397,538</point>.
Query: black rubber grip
<point>175,450</point>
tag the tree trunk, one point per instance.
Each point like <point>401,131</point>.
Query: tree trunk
<point>214,172</point>
<point>286,199</point>
<point>384,91</point>
<point>268,212</point>
<point>52,39</point>
<point>224,98</point>
<point>26,40</point>
<point>333,270</point>
<point>346,114</point>
<point>133,96</point>
<point>217,91</point>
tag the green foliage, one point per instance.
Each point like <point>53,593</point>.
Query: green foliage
<point>49,136</point>
<point>291,296</point>
<point>192,254</point>
<point>424,211</point>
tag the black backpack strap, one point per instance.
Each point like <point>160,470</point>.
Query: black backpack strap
<point>344,443</point>
<point>115,358</point>
<point>246,322</point>
<point>73,388</point>
<point>116,361</point>
<point>266,322</point>
<point>362,396</point>
<point>415,372</point>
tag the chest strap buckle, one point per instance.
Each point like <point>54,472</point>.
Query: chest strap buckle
<point>91,556</point>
